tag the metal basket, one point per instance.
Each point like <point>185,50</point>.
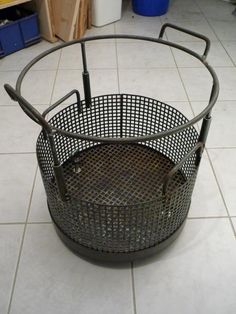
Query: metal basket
<point>118,170</point>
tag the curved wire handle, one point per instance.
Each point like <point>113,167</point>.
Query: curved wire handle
<point>31,112</point>
<point>186,31</point>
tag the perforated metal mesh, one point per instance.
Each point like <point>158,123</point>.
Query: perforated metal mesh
<point>116,202</point>
<point>118,175</point>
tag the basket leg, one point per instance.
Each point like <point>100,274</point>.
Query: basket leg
<point>58,171</point>
<point>205,128</point>
<point>60,180</point>
<point>203,136</point>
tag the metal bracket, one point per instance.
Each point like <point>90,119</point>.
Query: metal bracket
<point>177,167</point>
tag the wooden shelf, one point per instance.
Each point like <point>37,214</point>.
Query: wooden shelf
<point>10,4</point>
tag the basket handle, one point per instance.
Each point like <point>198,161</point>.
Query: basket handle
<point>191,33</point>
<point>61,100</point>
<point>198,147</point>
<point>31,112</point>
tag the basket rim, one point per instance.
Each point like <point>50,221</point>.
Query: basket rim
<point>212,99</point>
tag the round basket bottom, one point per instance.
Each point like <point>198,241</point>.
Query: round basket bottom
<point>114,257</point>
<point>121,178</point>
<point>119,175</point>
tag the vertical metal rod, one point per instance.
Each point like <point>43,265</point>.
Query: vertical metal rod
<point>45,134</point>
<point>204,130</point>
<point>86,78</point>
<point>206,121</point>
<point>121,116</point>
<point>58,171</point>
<point>78,101</point>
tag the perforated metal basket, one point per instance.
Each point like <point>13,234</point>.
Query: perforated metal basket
<point>119,170</point>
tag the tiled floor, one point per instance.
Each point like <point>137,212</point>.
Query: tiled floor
<point>197,274</point>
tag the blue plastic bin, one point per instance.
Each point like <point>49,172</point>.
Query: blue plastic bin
<point>10,39</point>
<point>18,34</point>
<point>29,28</point>
<point>150,7</point>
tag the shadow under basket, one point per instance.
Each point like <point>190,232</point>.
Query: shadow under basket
<point>118,170</point>
<point>116,207</point>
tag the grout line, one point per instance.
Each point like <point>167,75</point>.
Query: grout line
<point>40,223</point>
<point>180,67</point>
<point>228,40</point>
<point>114,28</point>
<point>133,288</point>
<point>54,83</point>
<point>191,107</point>
<point>21,245</point>
<point>202,66</point>
<point>117,59</point>
<point>31,70</point>
<point>11,223</point>
<point>17,106</point>
<point>28,223</point>
<point>226,147</point>
<point>207,217</point>
<point>214,66</point>
<point>221,192</point>
<point>227,101</point>
<point>117,67</point>
<point>213,30</point>
<point>234,228</point>
<point>218,100</point>
<point>232,60</point>
<point>18,153</point>
<point>90,69</point>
